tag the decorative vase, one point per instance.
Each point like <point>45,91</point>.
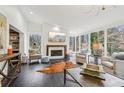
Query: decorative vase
<point>10,50</point>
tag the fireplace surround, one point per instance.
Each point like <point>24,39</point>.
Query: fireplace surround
<point>56,51</point>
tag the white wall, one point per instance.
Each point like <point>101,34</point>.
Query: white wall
<point>46,28</point>
<point>16,19</point>
<point>43,30</point>
<point>33,28</point>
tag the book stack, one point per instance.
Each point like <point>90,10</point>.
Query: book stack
<point>93,70</point>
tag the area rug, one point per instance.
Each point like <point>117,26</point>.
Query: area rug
<point>57,67</point>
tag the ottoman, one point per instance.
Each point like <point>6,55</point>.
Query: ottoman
<point>45,59</point>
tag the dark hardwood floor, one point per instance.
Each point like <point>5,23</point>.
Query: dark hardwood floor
<point>30,78</point>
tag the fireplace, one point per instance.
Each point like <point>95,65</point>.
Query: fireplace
<point>56,51</point>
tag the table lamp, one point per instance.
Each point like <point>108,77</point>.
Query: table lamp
<point>97,51</point>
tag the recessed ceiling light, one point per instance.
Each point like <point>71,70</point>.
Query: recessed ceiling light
<point>56,28</point>
<point>31,13</point>
<point>70,32</point>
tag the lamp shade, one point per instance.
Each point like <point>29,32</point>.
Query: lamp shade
<point>96,46</point>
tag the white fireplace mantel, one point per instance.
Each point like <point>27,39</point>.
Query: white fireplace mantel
<point>56,47</point>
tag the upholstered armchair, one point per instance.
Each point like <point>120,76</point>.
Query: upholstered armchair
<point>119,64</point>
<point>108,62</point>
<point>119,67</point>
<point>115,62</point>
<point>81,58</point>
<point>33,55</point>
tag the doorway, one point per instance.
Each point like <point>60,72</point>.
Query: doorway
<point>16,40</point>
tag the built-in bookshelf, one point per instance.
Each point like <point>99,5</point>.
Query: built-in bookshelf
<point>14,41</point>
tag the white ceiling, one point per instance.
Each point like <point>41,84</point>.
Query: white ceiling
<point>75,18</point>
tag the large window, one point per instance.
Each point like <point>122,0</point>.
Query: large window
<point>115,39</point>
<point>77,43</point>
<point>72,43</point>
<point>84,43</point>
<point>97,37</point>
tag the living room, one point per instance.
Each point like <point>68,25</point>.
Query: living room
<point>61,46</point>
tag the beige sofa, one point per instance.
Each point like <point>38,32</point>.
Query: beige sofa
<point>119,67</point>
<point>80,58</point>
<point>108,62</point>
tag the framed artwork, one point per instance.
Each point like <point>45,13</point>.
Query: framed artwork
<point>35,43</point>
<point>56,37</point>
<point>3,31</point>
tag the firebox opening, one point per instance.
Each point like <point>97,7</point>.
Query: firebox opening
<point>56,52</point>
